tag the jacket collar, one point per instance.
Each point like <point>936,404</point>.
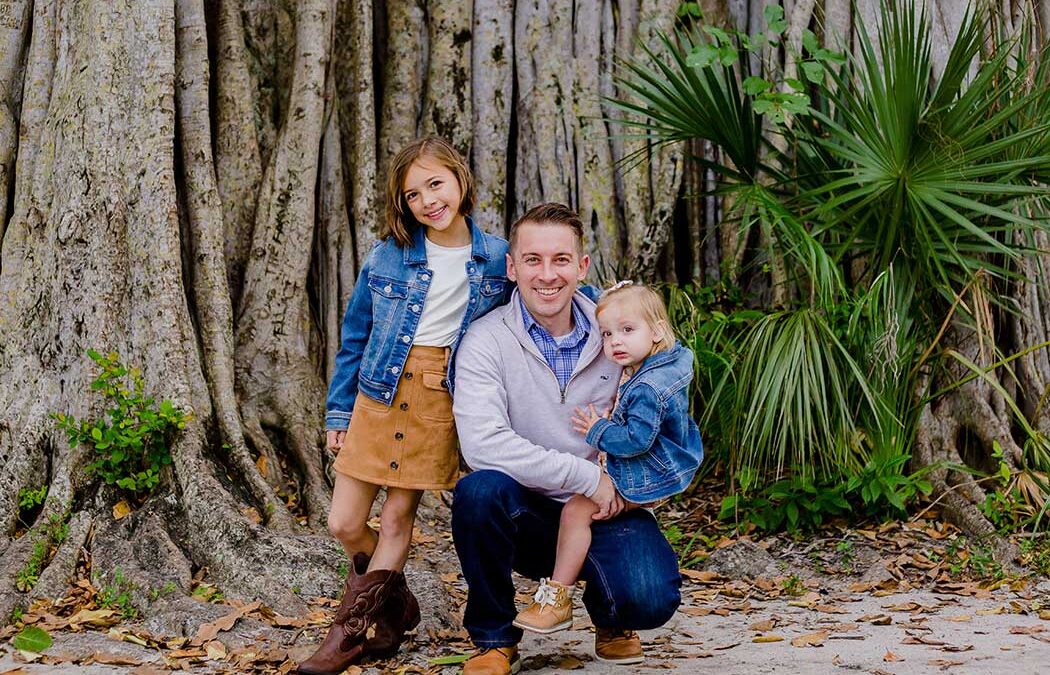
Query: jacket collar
<point>416,254</point>
<point>661,358</point>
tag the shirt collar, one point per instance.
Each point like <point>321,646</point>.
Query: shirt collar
<point>580,330</point>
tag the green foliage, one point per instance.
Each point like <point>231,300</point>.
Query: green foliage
<point>800,503</point>
<point>117,595</point>
<point>157,593</point>
<point>32,639</point>
<point>963,559</point>
<point>793,585</point>
<point>795,503</point>
<point>49,536</point>
<point>29,498</point>
<point>894,193</point>
<point>884,489</point>
<point>206,592</point>
<point>131,443</point>
<point>1035,555</point>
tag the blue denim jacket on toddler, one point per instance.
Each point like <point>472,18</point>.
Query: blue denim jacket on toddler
<point>381,320</point>
<point>652,446</point>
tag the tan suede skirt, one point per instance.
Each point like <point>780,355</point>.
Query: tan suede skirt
<point>411,443</point>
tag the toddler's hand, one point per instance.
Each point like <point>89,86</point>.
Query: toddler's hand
<point>583,420</point>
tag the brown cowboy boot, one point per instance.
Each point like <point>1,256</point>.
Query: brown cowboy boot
<point>399,615</point>
<point>363,596</point>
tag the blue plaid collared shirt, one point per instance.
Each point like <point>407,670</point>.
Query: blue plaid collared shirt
<point>561,354</point>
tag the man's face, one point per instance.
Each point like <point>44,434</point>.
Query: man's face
<point>547,266</point>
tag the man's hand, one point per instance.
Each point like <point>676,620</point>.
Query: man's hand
<point>609,501</point>
<point>583,420</point>
<point>335,440</point>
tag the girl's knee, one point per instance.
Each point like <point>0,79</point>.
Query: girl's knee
<point>351,531</point>
<point>398,516</point>
<point>578,511</point>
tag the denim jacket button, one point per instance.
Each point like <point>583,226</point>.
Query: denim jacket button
<point>388,288</point>
<point>473,299</point>
<point>424,277</point>
<point>395,370</point>
<point>386,394</point>
<point>406,339</point>
<point>415,308</point>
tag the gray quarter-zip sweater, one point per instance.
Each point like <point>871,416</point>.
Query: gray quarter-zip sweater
<point>511,414</point>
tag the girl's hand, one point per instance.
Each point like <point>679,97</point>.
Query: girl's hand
<point>334,440</point>
<point>583,420</point>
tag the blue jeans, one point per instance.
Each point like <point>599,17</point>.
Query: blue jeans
<point>499,525</point>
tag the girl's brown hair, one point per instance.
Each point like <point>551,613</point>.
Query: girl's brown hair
<point>649,304</point>
<point>400,223</point>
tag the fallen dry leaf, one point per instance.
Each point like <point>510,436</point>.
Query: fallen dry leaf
<point>768,638</point>
<point>944,664</point>
<point>695,611</point>
<point>113,659</point>
<point>569,663</point>
<point>208,631</point>
<point>890,657</point>
<point>811,640</point>
<point>450,577</point>
<point>987,612</point>
<point>216,650</point>
<point>100,618</point>
<point>121,510</point>
<point>830,609</point>
<point>764,626</point>
<point>959,619</point>
<point>1027,630</point>
<point>701,576</point>
<point>922,640</point>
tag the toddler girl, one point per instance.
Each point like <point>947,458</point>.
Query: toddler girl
<point>430,275</point>
<point>649,444</point>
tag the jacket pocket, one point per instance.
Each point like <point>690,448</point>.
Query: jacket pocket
<point>435,403</point>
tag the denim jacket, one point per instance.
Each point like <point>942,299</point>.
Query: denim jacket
<point>651,443</point>
<point>381,319</point>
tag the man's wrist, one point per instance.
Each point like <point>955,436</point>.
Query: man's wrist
<point>597,481</point>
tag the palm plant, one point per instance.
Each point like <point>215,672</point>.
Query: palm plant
<point>895,190</point>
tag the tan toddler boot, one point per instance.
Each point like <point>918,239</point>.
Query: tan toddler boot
<point>550,611</point>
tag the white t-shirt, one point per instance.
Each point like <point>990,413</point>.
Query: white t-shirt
<point>447,297</point>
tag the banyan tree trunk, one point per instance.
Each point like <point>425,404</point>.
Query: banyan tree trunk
<point>194,185</point>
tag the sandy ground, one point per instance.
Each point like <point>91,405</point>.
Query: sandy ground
<point>926,632</point>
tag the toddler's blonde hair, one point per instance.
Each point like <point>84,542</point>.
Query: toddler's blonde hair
<point>647,302</point>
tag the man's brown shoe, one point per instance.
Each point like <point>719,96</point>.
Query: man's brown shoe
<point>621,647</point>
<point>493,661</point>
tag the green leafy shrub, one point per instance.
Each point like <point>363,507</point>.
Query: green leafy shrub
<point>53,533</point>
<point>132,441</point>
<point>118,595</point>
<point>800,503</point>
<point>884,489</point>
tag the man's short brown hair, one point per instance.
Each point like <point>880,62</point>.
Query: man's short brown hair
<point>551,213</point>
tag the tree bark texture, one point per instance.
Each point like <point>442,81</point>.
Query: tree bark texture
<point>195,186</point>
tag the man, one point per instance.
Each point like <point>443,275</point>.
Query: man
<point>520,373</point>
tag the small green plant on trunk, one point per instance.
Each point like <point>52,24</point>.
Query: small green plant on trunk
<point>131,442</point>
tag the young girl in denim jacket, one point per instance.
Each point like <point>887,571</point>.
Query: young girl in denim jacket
<point>650,445</point>
<point>389,411</point>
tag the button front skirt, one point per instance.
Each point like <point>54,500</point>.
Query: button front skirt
<point>412,443</point>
